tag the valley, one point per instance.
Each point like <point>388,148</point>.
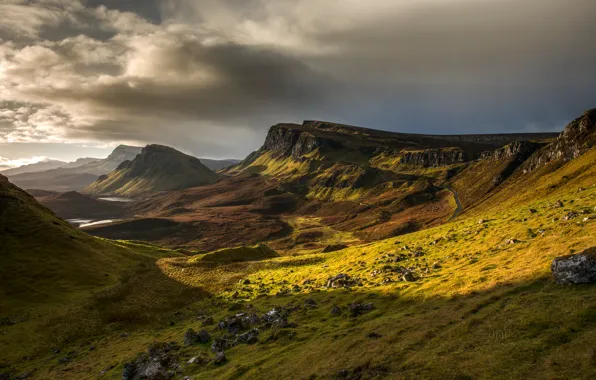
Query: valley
<point>332,252</point>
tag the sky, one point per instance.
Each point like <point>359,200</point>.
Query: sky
<point>209,77</point>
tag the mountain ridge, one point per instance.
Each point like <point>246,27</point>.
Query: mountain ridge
<point>157,168</point>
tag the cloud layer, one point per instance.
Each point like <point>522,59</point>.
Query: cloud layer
<point>210,76</point>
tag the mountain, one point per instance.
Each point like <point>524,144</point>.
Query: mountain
<point>37,167</point>
<point>74,177</point>
<point>156,168</point>
<point>80,162</point>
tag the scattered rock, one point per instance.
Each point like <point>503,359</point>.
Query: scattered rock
<point>437,265</point>
<point>357,309</point>
<point>208,321</point>
<point>219,345</point>
<point>249,337</point>
<point>570,215</point>
<point>481,221</point>
<point>220,358</point>
<point>192,337</point>
<point>310,302</point>
<point>153,365</point>
<point>342,280</point>
<point>511,241</point>
<point>418,254</point>
<point>335,310</point>
<point>408,276</point>
<point>532,211</point>
<point>559,204</point>
<point>575,269</point>
<point>64,360</point>
<point>198,360</point>
<point>374,335</point>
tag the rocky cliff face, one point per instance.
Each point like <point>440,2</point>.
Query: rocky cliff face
<point>576,139</point>
<point>518,149</point>
<point>285,140</point>
<point>431,158</point>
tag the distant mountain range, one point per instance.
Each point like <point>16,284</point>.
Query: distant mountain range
<point>75,176</point>
<point>37,167</point>
<point>156,168</point>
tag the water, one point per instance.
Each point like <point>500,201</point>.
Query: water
<point>108,221</point>
<point>117,199</point>
<point>80,223</point>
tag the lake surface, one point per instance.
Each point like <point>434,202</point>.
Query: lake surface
<point>117,199</point>
<point>80,223</point>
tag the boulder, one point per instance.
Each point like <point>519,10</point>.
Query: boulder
<point>220,358</point>
<point>341,280</point>
<point>208,321</point>
<point>357,309</point>
<point>408,276</point>
<point>192,337</point>
<point>220,345</point>
<point>153,365</point>
<point>249,337</point>
<point>575,269</point>
<point>310,303</point>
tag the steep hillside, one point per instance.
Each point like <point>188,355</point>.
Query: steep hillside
<point>56,284</point>
<point>42,256</point>
<point>156,168</point>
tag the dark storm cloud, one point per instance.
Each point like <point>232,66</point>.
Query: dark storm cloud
<point>211,76</point>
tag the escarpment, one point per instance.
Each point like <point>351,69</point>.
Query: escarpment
<point>576,139</point>
<point>434,157</point>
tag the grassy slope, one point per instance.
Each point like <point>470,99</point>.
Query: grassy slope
<point>490,311</point>
<point>59,285</point>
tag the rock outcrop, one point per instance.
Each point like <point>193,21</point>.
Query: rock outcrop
<point>518,149</point>
<point>285,140</point>
<point>431,158</point>
<point>576,139</point>
<point>575,269</point>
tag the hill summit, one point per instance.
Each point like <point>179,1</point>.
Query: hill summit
<point>156,168</point>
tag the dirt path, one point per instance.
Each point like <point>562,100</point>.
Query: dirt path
<point>459,208</point>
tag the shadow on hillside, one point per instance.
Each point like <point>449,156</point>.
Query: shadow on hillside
<point>511,330</point>
<point>146,297</point>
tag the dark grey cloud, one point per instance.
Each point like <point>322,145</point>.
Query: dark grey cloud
<point>210,76</point>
